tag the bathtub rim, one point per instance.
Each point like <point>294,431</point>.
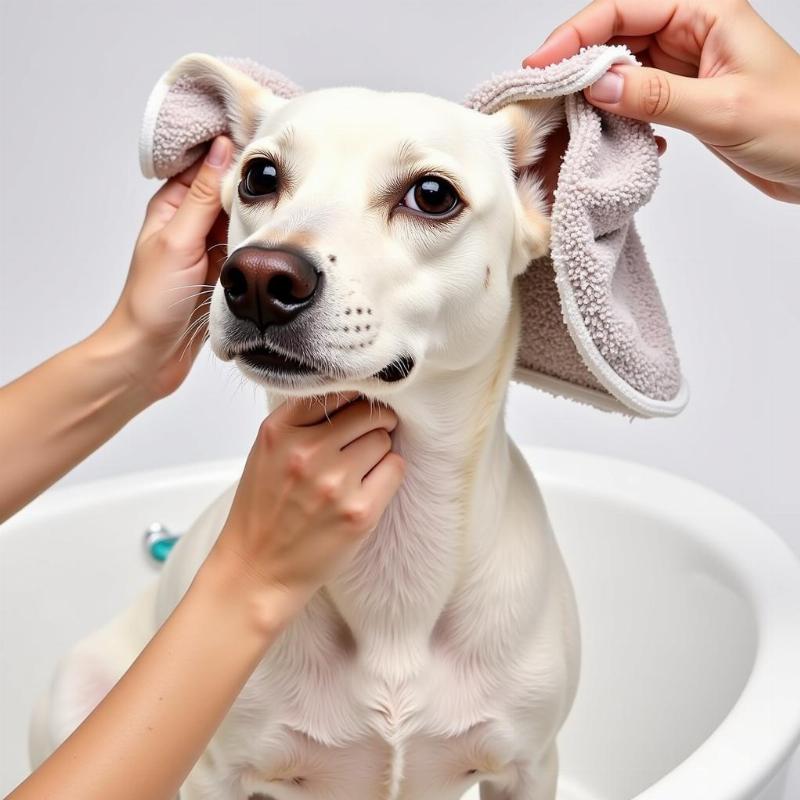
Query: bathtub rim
<point>764,566</point>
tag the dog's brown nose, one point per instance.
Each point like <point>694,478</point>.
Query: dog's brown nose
<point>268,287</point>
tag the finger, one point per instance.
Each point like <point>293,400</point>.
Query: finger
<point>662,60</point>
<point>305,411</point>
<point>175,189</point>
<point>661,144</point>
<point>184,179</point>
<point>365,452</point>
<point>667,52</point>
<point>201,205</point>
<point>696,105</point>
<point>634,43</point>
<point>383,481</point>
<point>645,60</point>
<point>166,201</point>
<point>654,56</point>
<point>599,22</point>
<point>359,418</point>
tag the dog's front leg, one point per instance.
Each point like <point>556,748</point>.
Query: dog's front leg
<point>535,780</point>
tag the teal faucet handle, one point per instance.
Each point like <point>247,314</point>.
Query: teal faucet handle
<point>159,541</point>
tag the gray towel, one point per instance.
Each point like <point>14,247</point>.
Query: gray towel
<point>593,325</point>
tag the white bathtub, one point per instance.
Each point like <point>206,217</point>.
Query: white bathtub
<point>690,609</point>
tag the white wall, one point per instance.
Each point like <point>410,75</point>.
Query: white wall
<point>73,81</point>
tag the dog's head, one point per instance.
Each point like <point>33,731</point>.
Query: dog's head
<point>373,236</point>
<point>424,214</point>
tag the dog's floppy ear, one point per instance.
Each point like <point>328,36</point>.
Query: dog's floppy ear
<point>199,98</point>
<point>240,97</point>
<point>593,325</point>
<point>529,124</point>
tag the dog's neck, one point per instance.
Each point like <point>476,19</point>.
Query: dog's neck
<point>452,436</point>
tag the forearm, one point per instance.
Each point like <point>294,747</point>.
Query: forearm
<point>58,413</point>
<point>145,736</point>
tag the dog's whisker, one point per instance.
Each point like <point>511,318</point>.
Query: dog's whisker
<point>192,327</point>
<point>189,342</point>
<point>204,304</point>
<point>207,314</point>
<point>203,318</point>
<point>190,286</point>
<point>206,337</point>
<point>190,297</point>
<point>194,335</point>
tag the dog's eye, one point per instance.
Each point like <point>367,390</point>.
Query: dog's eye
<point>432,195</point>
<point>260,178</point>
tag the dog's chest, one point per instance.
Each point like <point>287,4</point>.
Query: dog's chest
<point>342,731</point>
<point>383,689</point>
<point>361,697</point>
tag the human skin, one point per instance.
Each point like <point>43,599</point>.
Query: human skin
<point>316,481</point>
<point>61,411</point>
<point>713,68</point>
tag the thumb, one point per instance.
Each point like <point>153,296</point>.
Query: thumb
<point>695,105</point>
<point>201,205</point>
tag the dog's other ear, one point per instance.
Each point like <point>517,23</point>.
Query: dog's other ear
<point>201,97</point>
<point>530,127</point>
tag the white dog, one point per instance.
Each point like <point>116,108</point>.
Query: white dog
<point>374,242</point>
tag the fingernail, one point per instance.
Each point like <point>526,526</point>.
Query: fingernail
<point>608,89</point>
<point>218,152</point>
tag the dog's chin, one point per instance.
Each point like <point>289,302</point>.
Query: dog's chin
<point>292,374</point>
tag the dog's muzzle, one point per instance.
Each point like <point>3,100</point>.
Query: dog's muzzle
<point>269,287</point>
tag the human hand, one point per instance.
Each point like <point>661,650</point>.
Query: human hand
<point>160,315</point>
<point>316,482</point>
<point>713,68</point>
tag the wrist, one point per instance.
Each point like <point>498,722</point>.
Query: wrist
<point>263,606</point>
<point>109,355</point>
<point>133,360</point>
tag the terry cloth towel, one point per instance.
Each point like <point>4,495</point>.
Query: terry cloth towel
<point>593,324</point>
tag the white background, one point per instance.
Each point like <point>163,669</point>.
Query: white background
<point>74,77</point>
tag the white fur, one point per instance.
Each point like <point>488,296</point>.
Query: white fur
<point>447,653</point>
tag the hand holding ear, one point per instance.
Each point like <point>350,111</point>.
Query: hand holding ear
<point>713,68</point>
<point>162,312</point>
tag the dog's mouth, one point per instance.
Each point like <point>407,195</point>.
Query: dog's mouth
<point>266,359</point>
